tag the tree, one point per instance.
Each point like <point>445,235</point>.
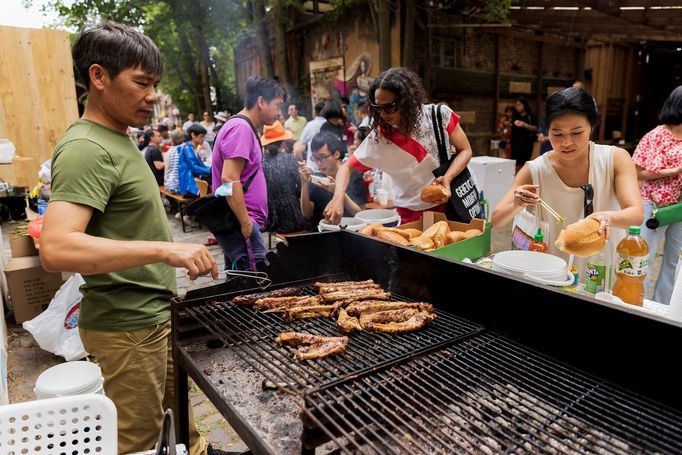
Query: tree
<point>191,35</point>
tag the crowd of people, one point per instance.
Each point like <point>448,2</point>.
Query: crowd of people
<point>286,176</point>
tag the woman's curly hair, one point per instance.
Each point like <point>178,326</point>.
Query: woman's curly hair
<point>409,94</point>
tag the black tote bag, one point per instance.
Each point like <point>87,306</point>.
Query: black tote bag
<point>464,203</point>
<point>213,211</point>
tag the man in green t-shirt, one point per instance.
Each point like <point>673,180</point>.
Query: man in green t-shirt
<point>106,221</point>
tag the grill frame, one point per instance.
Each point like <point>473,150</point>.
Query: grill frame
<point>598,338</point>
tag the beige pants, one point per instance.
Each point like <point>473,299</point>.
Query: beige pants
<point>138,377</point>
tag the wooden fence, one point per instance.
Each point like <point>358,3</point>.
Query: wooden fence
<point>37,90</point>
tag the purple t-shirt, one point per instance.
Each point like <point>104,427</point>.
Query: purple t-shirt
<point>237,140</point>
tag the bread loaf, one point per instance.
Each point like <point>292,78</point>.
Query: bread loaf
<point>472,233</point>
<point>393,237</point>
<point>412,233</point>
<point>433,193</point>
<point>454,237</point>
<point>582,238</point>
<point>371,229</point>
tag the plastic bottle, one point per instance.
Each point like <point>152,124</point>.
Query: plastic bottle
<point>539,244</point>
<point>632,258</point>
<point>599,270</point>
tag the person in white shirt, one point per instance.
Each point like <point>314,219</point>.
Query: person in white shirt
<point>209,125</point>
<point>190,121</point>
<point>295,123</point>
<point>302,146</point>
<point>402,143</point>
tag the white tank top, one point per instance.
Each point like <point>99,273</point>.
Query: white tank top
<point>569,202</point>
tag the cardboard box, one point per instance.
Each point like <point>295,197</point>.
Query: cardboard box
<point>30,287</point>
<point>22,246</point>
<point>22,171</point>
<point>472,248</point>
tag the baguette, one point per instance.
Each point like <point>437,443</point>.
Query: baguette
<point>411,233</point>
<point>472,233</point>
<point>371,229</point>
<point>581,238</point>
<point>393,237</point>
<point>422,243</point>
<point>454,237</point>
<point>433,193</point>
<point>441,234</point>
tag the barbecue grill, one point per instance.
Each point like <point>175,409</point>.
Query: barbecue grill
<point>506,367</point>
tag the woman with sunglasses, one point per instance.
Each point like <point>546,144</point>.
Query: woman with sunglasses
<point>402,143</point>
<point>577,178</point>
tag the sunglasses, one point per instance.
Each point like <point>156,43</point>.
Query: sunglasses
<point>588,206</point>
<point>391,108</point>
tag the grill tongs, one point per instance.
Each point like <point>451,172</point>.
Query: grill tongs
<point>261,278</point>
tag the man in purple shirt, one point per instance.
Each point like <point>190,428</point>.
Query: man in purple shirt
<point>237,156</point>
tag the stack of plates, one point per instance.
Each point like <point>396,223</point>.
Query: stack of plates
<point>542,267</point>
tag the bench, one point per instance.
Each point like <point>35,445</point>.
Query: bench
<point>179,200</point>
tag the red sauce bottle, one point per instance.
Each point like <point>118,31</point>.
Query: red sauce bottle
<point>539,245</point>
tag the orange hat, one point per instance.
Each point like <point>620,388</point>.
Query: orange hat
<point>274,133</point>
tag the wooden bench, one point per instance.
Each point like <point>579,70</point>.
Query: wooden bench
<point>180,201</point>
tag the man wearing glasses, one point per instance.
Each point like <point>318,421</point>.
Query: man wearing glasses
<point>327,154</point>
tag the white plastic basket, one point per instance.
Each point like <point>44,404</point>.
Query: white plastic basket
<point>76,425</point>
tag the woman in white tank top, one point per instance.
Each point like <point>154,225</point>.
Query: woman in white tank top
<point>574,171</point>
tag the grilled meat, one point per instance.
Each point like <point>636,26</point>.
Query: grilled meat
<point>342,285</point>
<point>383,317</point>
<point>374,306</point>
<point>347,323</point>
<point>315,311</point>
<point>416,322</point>
<point>250,299</point>
<point>358,294</point>
<point>296,339</point>
<point>312,346</point>
<point>283,303</point>
<point>333,345</point>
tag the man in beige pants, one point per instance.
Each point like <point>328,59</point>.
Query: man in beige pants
<point>106,221</point>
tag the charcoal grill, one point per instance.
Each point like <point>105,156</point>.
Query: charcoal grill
<point>507,367</point>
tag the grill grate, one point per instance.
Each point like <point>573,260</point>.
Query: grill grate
<point>489,395</point>
<point>251,334</point>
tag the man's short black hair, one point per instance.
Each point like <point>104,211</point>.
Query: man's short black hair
<point>319,106</point>
<point>332,142</point>
<point>195,129</point>
<point>116,47</point>
<point>332,109</point>
<point>268,88</point>
<point>161,128</point>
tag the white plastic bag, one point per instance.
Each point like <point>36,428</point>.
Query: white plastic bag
<point>524,227</point>
<point>56,329</point>
<point>7,151</point>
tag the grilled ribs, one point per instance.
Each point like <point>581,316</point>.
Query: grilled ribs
<point>315,311</point>
<point>284,303</point>
<point>375,306</point>
<point>382,317</point>
<point>322,287</point>
<point>416,322</point>
<point>250,299</point>
<point>347,323</point>
<point>312,346</point>
<point>357,294</point>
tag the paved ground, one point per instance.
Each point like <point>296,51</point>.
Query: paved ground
<point>26,360</point>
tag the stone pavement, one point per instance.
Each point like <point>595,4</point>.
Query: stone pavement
<point>26,360</point>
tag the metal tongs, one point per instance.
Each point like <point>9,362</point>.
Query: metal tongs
<point>261,278</point>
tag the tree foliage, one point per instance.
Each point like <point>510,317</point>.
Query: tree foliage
<point>195,37</point>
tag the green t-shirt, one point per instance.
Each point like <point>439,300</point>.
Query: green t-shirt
<point>98,167</point>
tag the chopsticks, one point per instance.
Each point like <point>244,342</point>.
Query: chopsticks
<point>554,213</point>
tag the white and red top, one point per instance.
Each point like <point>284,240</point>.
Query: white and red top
<point>659,150</point>
<point>410,161</point>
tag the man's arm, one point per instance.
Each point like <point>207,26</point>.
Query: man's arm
<point>232,171</point>
<point>64,246</point>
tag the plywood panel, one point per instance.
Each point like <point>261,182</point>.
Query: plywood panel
<point>37,90</point>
